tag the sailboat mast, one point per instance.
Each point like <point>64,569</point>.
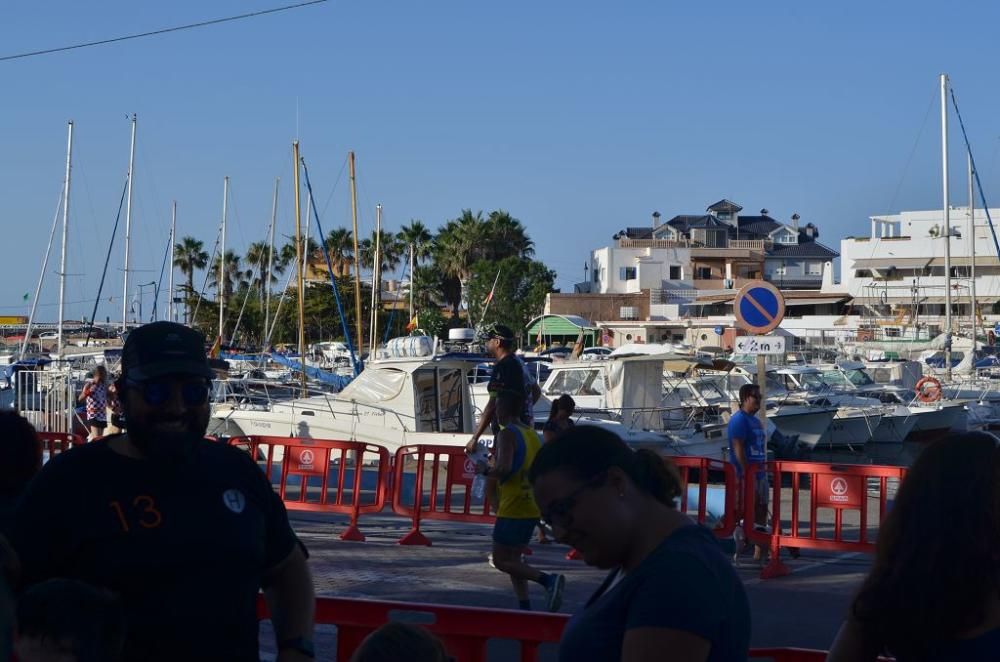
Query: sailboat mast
<point>357,252</point>
<point>411,281</point>
<point>222,259</point>
<point>128,226</point>
<point>41,278</point>
<point>65,236</point>
<point>270,258</point>
<point>376,280</point>
<point>299,267</point>
<point>170,279</point>
<point>947,224</point>
<point>972,251</point>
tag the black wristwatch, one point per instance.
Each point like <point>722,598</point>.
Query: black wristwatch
<point>300,644</point>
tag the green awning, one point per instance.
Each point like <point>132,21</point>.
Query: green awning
<point>560,325</point>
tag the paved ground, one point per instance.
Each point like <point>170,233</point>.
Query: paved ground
<point>803,609</point>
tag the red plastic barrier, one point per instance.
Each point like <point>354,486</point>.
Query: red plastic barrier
<point>465,631</point>
<point>458,471</point>
<point>703,465</point>
<point>302,459</point>
<point>831,487</point>
<point>57,442</point>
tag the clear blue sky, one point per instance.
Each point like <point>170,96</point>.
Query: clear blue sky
<point>579,118</point>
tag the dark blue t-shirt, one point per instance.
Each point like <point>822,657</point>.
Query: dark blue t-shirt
<point>686,584</point>
<point>984,647</point>
<point>748,428</point>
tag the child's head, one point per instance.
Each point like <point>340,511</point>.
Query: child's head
<point>400,642</point>
<point>64,620</point>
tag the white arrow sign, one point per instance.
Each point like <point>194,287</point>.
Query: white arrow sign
<point>759,345</point>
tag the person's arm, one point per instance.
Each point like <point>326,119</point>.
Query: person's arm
<point>649,644</point>
<point>84,393</point>
<point>739,449</point>
<point>488,412</point>
<point>292,602</point>
<point>502,463</point>
<point>850,645</point>
<point>549,434</point>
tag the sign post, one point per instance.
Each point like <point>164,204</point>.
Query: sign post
<point>759,308</point>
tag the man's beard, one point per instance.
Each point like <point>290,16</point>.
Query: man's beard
<point>168,447</point>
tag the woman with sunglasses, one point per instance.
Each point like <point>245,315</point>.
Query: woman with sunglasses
<point>933,592</point>
<point>670,592</point>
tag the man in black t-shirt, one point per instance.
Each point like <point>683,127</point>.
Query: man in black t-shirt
<point>185,530</point>
<point>508,375</point>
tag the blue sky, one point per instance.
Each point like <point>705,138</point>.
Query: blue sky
<point>579,118</point>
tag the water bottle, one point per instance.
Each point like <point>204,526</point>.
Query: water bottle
<point>479,487</point>
<point>481,454</point>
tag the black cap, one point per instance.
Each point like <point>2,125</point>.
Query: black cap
<point>495,331</point>
<point>164,348</point>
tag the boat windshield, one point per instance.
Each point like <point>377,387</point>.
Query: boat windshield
<point>813,382</point>
<point>858,377</point>
<point>836,378</point>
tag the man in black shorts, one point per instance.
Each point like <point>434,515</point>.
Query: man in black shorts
<point>185,530</point>
<point>508,375</point>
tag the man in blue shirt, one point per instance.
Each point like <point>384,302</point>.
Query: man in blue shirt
<point>748,450</point>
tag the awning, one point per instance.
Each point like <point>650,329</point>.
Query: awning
<point>560,325</point>
<point>883,263</point>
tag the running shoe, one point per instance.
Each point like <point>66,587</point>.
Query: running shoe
<point>554,593</point>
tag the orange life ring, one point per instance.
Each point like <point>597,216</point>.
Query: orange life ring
<point>933,394</point>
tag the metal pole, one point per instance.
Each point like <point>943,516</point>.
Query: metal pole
<point>299,266</point>
<point>128,225</point>
<point>411,282</point>
<point>270,259</point>
<point>65,236</point>
<point>947,225</point>
<point>357,252</point>
<point>170,280</point>
<point>376,280</point>
<point>972,253</point>
<point>222,259</point>
<point>762,382</point>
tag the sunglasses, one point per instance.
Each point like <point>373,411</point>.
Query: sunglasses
<point>560,511</point>
<point>157,392</point>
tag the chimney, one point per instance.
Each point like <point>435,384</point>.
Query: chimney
<point>795,222</point>
<point>656,219</point>
<point>764,212</point>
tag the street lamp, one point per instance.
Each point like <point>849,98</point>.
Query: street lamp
<point>140,288</point>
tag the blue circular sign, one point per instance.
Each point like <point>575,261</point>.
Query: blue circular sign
<point>759,307</point>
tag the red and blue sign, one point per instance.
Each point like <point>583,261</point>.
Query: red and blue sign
<point>759,307</point>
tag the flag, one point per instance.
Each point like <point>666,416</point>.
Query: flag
<point>216,349</point>
<point>489,297</point>
<point>413,323</point>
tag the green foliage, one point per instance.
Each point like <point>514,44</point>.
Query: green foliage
<point>519,295</point>
<point>432,321</point>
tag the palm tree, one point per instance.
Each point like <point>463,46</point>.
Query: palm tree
<point>189,254</point>
<point>390,251</point>
<point>419,237</point>
<point>232,274</point>
<point>507,236</point>
<point>256,262</point>
<point>427,287</point>
<point>340,246</point>
<point>459,245</point>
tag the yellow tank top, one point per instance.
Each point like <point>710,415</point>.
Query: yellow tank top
<point>516,498</point>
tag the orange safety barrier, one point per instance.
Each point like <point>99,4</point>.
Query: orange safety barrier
<point>703,466</point>
<point>336,469</point>
<point>838,489</point>
<point>57,442</point>
<point>457,471</point>
<point>466,631</point>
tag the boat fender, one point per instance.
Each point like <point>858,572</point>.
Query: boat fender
<point>928,389</point>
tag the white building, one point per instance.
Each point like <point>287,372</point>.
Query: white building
<point>900,268</point>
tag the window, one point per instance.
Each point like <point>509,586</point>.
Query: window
<point>675,273</point>
<point>725,215</point>
<point>862,273</point>
<point>786,238</point>
<point>814,269</point>
<point>703,273</point>
<point>577,382</point>
<point>627,273</point>
<point>779,271</point>
<point>597,274</point>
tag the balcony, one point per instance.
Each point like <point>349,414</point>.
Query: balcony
<point>759,245</point>
<point>651,243</point>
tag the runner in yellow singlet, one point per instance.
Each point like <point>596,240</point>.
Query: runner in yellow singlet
<point>511,494</point>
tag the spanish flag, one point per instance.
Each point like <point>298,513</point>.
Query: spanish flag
<point>216,349</point>
<point>413,323</point>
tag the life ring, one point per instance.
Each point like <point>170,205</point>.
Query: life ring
<point>932,394</point>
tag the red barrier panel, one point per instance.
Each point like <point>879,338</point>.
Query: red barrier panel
<point>466,631</point>
<point>327,463</point>
<point>725,526</point>
<point>447,463</point>
<point>820,489</point>
<point>57,442</point>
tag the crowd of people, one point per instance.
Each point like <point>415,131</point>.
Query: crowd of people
<point>154,543</point>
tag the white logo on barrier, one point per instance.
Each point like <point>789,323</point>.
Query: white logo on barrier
<point>470,466</point>
<point>838,490</point>
<point>234,500</point>
<point>306,457</point>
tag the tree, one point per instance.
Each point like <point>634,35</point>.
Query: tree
<point>459,244</point>
<point>340,246</point>
<point>232,274</point>
<point>256,262</point>
<point>390,251</point>
<point>189,254</point>
<point>507,237</point>
<point>519,295</point>
<point>417,235</point>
